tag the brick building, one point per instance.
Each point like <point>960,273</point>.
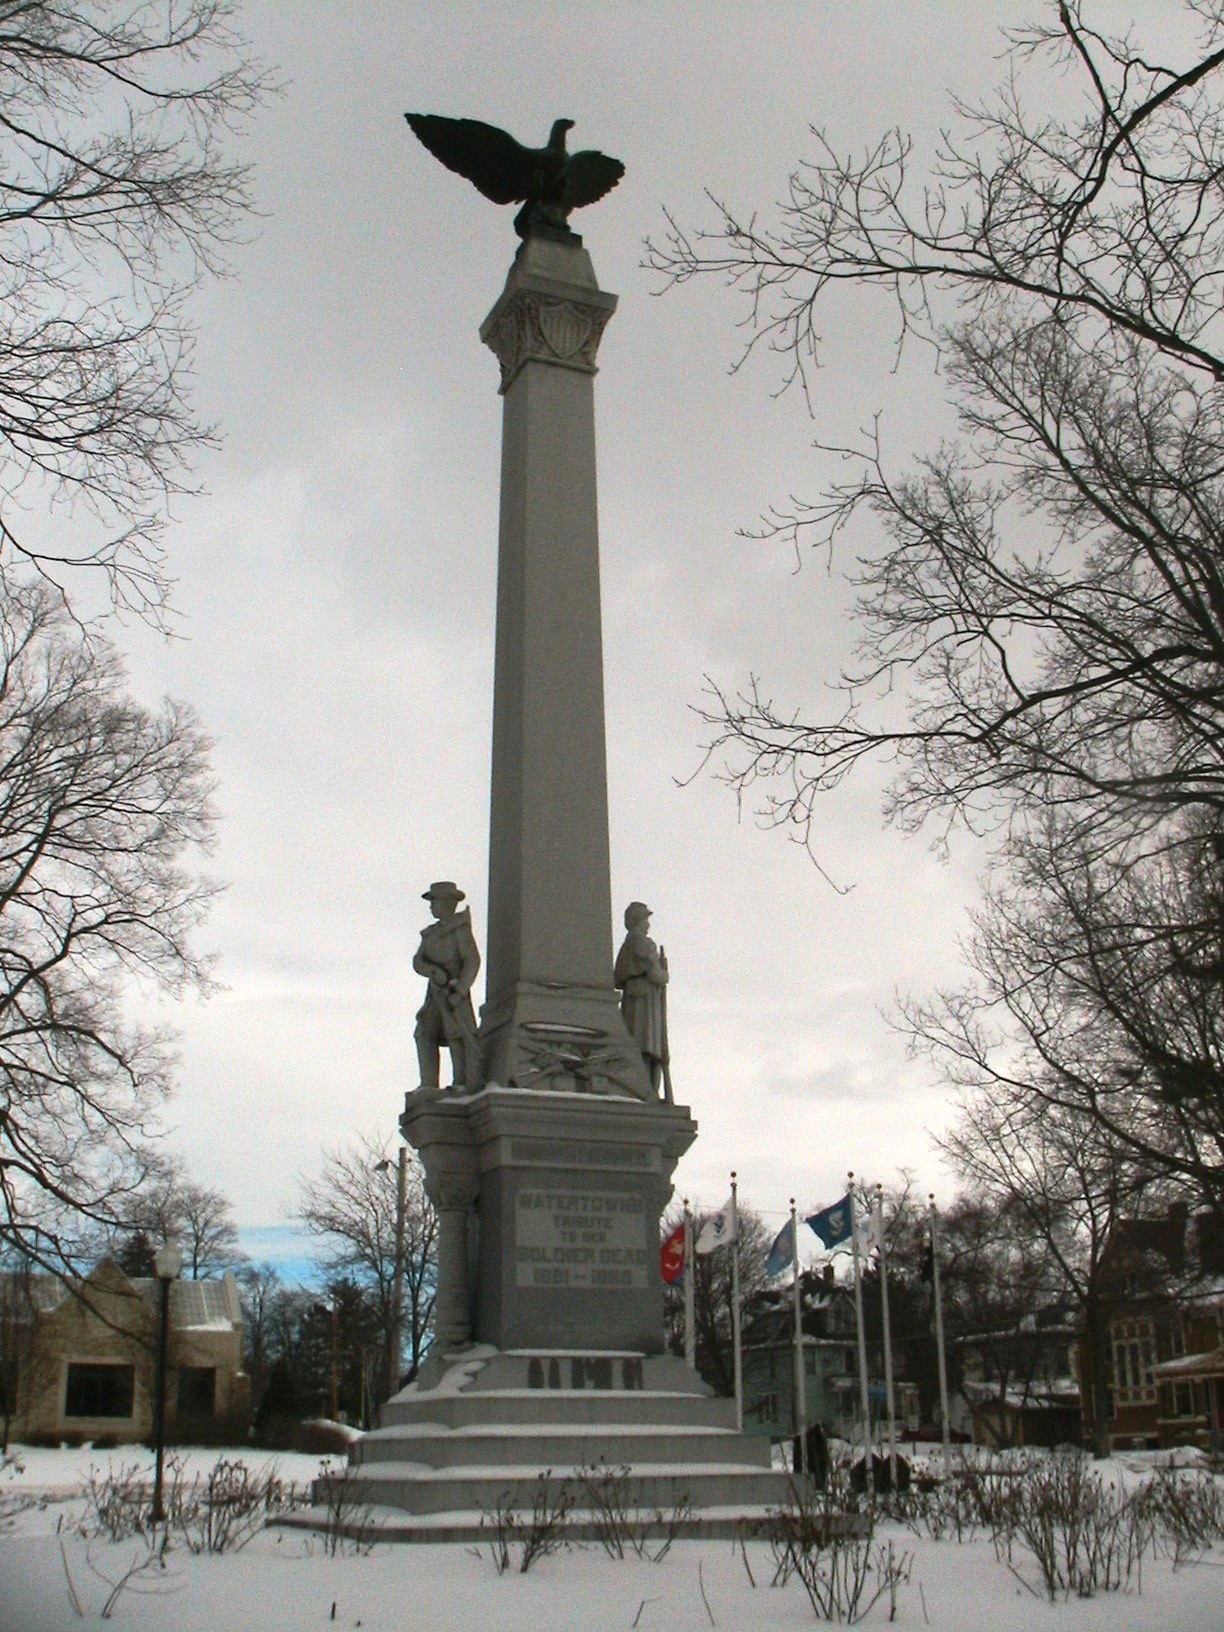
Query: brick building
<point>1165,1314</point>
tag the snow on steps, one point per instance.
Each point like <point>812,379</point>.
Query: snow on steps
<point>480,1428</point>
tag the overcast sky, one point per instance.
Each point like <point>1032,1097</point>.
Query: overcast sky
<point>336,582</point>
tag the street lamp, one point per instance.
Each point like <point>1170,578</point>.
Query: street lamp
<point>397,1295</point>
<point>167,1261</point>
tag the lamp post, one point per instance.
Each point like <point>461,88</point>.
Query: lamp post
<point>167,1261</point>
<point>397,1295</point>
<point>329,1309</point>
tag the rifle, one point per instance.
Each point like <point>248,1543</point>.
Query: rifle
<point>666,1060</point>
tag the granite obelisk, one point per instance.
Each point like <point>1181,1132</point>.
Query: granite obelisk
<point>549,1181</point>
<point>549,964</point>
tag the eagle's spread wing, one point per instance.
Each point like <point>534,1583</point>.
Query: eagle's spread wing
<point>588,176</point>
<point>496,165</point>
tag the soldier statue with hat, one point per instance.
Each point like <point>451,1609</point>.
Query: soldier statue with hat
<point>448,959</point>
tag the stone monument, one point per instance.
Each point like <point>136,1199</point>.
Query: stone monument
<point>550,1181</point>
<point>550,1158</point>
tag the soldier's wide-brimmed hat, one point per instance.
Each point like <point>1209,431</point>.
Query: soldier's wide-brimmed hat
<point>444,890</point>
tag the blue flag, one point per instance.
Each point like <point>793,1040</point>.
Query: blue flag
<point>833,1225</point>
<point>782,1253</point>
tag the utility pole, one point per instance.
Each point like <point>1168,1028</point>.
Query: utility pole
<point>397,1295</point>
<point>395,1345</point>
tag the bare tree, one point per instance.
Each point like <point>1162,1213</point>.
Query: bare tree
<point>260,1284</point>
<point>712,1300</point>
<point>104,811</point>
<point>1067,1186</point>
<point>351,1206</point>
<point>1043,619</point>
<point>1096,993</point>
<point>117,195</point>
<point>18,1327</point>
<point>1042,616</point>
<point>208,1232</point>
<point>996,1279</point>
<point>200,1219</point>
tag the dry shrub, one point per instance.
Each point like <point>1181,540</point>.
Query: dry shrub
<point>826,1540</point>
<point>536,1534</point>
<point>620,1526</point>
<point>217,1512</point>
<point>1185,1511</point>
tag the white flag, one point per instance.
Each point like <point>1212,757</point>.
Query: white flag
<point>718,1230</point>
<point>870,1231</point>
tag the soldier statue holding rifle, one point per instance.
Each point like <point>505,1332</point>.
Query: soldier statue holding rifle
<point>448,959</point>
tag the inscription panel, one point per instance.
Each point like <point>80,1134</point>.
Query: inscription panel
<point>579,1153</point>
<point>589,1240</point>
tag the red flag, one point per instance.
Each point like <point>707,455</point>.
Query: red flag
<point>671,1256</point>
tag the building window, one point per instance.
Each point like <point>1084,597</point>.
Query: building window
<point>1120,1368</point>
<point>197,1391</point>
<point>99,1390</point>
<point>1183,1400</point>
<point>1133,1358</point>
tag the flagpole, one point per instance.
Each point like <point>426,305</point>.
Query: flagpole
<point>945,1414</point>
<point>864,1398</point>
<point>735,1308</point>
<point>800,1383</point>
<point>888,1360</point>
<point>690,1277</point>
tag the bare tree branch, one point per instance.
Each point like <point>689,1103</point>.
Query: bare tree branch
<point>117,196</point>
<point>103,807</point>
<point>351,1206</point>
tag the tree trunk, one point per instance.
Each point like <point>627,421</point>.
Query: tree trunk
<point>1096,1346</point>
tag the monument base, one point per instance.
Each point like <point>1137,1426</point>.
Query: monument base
<point>548,1208</point>
<point>482,1431</point>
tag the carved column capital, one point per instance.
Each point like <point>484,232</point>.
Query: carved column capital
<point>449,1190</point>
<point>531,325</point>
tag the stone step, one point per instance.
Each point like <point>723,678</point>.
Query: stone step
<point>480,1428</point>
<point>547,1406</point>
<point>569,1446</point>
<point>656,1527</point>
<point>517,1487</point>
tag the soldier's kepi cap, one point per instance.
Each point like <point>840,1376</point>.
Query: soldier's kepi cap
<point>444,890</point>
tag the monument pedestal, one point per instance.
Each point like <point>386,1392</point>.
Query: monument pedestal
<point>547,1374</point>
<point>549,1206</point>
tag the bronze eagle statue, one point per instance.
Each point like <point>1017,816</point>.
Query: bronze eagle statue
<point>549,181</point>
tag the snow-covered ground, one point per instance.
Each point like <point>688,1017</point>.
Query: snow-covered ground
<point>54,1579</point>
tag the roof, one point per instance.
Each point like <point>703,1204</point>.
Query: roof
<point>1208,1364</point>
<point>212,1305</point>
<point>1058,1393</point>
<point>196,1305</point>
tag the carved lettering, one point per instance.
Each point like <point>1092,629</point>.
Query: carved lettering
<point>581,1239</point>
